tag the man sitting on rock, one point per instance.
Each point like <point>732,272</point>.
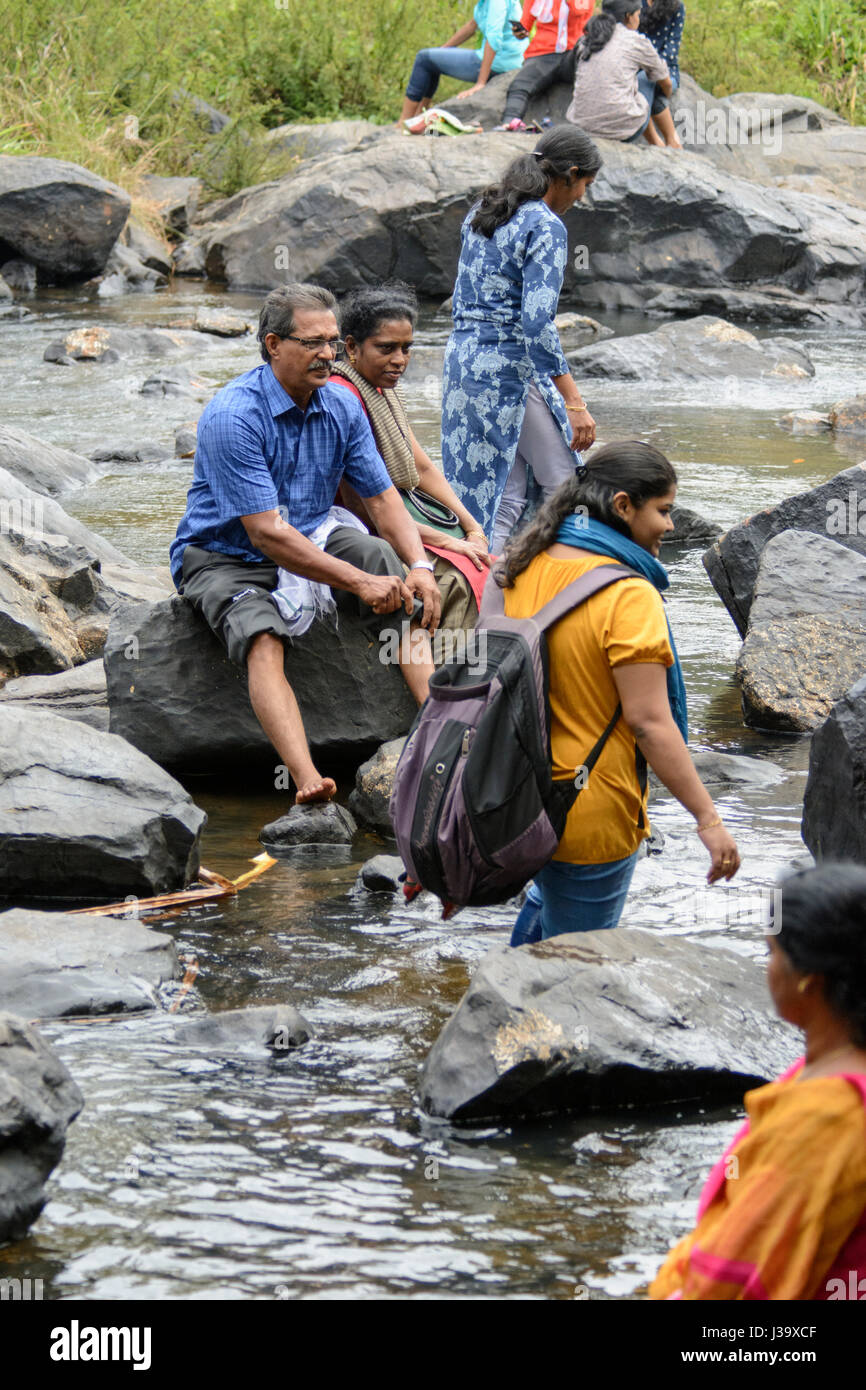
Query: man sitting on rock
<point>272,448</point>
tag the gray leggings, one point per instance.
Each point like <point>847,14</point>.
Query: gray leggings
<point>542,451</point>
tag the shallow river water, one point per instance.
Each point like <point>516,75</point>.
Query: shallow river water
<point>317,1175</point>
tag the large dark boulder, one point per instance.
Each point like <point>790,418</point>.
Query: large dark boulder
<point>604,1021</point>
<point>174,694</point>
<point>699,349</point>
<point>806,643</point>
<point>38,1102</point>
<point>61,218</point>
<point>837,509</point>
<point>83,814</point>
<point>57,965</point>
<point>834,807</point>
<point>652,221</point>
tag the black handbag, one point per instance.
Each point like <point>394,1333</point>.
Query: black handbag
<point>429,511</point>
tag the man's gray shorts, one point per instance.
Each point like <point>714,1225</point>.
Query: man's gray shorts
<point>235,597</point>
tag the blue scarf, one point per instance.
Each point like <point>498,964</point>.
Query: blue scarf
<point>603,540</point>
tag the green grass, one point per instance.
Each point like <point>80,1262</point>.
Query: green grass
<point>102,83</point>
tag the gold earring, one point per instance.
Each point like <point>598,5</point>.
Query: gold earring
<point>804,984</point>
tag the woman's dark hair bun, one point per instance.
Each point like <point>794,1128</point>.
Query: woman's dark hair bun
<point>528,177</point>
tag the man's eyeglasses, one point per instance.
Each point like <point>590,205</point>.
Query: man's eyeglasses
<point>316,344</point>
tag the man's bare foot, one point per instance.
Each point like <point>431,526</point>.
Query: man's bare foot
<point>322,789</point>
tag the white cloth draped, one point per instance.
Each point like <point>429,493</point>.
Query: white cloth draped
<point>301,600</point>
<point>543,11</point>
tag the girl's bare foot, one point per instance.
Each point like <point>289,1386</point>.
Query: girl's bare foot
<point>321,789</point>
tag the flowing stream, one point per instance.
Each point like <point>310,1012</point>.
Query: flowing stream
<point>316,1175</point>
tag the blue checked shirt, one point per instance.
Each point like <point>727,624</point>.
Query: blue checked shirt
<point>257,451</point>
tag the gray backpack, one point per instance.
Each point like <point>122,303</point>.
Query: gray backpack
<point>475,809</point>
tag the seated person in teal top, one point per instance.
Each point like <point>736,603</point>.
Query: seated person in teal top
<point>272,448</point>
<point>497,51</point>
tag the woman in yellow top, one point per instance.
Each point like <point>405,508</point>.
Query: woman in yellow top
<point>613,666</point>
<point>783,1213</point>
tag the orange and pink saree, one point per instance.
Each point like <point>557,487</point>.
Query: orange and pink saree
<point>783,1213</point>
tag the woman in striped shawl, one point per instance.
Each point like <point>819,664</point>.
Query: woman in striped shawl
<point>377,325</point>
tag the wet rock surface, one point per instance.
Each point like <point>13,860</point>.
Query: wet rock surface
<point>381,874</point>
<point>322,823</point>
<point>374,782</point>
<point>849,417</point>
<point>690,528</point>
<point>272,1029</point>
<point>602,1021</point>
<point>834,807</point>
<point>701,348</point>
<point>84,814</point>
<point>104,343</point>
<point>834,509</point>
<point>38,1102</point>
<point>182,702</point>
<point>806,643</point>
<point>43,467</point>
<point>57,965</point>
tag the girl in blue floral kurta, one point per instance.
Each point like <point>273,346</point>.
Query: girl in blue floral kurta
<point>504,341</point>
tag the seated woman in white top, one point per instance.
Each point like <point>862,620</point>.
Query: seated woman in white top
<point>616,75</point>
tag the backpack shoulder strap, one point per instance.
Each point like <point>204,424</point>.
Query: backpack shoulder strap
<point>575,593</point>
<point>579,590</point>
<point>492,599</point>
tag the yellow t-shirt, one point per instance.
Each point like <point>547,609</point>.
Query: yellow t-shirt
<point>623,624</point>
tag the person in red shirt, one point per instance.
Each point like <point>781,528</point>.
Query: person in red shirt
<point>549,57</point>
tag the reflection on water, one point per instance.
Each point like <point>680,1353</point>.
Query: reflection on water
<point>195,1176</point>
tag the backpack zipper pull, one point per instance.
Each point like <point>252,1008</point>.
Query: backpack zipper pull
<point>464,747</point>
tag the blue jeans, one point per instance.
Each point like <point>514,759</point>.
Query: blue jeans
<point>647,89</point>
<point>432,63</point>
<point>573,897</point>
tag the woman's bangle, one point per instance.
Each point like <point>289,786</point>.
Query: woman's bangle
<point>477,533</point>
<point>699,829</point>
<point>576,409</point>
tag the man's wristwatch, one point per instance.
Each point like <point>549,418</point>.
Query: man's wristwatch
<point>422,565</point>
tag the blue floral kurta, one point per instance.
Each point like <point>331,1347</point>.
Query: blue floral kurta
<point>504,338</point>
